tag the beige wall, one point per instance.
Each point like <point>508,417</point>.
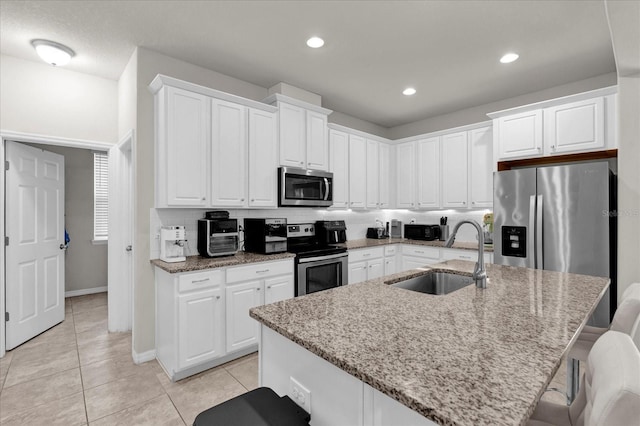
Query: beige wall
<point>85,263</point>
<point>41,99</point>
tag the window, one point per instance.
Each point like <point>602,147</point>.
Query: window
<point>100,196</point>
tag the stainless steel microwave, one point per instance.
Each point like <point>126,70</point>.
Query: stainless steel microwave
<point>304,188</point>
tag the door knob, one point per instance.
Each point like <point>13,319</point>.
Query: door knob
<point>63,247</point>
<point>128,248</point>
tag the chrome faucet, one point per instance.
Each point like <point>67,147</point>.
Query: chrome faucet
<point>479,272</point>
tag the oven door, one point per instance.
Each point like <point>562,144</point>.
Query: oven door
<point>321,273</point>
<point>301,187</point>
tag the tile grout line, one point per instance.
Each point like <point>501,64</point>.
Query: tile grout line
<point>84,395</point>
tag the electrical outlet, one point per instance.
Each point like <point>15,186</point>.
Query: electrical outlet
<point>300,395</point>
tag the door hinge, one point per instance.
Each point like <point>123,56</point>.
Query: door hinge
<point>6,316</point>
<point>6,165</point>
<point>6,241</point>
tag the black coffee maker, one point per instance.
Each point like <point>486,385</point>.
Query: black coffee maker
<point>331,232</point>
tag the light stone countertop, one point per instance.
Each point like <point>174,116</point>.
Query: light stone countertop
<point>370,242</point>
<point>472,357</point>
<point>197,263</point>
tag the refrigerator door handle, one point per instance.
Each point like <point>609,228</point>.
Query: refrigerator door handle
<point>532,233</point>
<point>539,247</point>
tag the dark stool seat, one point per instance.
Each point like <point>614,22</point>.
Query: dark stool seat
<point>259,407</point>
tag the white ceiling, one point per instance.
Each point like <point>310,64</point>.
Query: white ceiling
<point>447,50</point>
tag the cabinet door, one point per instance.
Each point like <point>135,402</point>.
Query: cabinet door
<point>575,127</point>
<point>186,176</point>
<point>454,170</point>
<point>372,184</point>
<point>409,262</point>
<point>405,183</point>
<point>357,172</point>
<point>317,141</point>
<point>263,160</point>
<point>242,330</point>
<point>292,135</point>
<point>339,166</point>
<point>200,327</point>
<point>357,272</point>
<point>278,288</point>
<point>481,167</point>
<point>384,151</point>
<point>428,173</point>
<point>390,265</point>
<point>228,154</point>
<point>375,269</point>
<point>519,135</point>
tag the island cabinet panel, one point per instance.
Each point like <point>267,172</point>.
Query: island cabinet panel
<point>339,166</point>
<point>381,410</point>
<point>182,148</point>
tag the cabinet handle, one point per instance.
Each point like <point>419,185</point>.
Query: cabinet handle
<point>473,202</point>
<point>366,255</point>
<point>262,272</point>
<point>302,162</point>
<point>419,251</point>
<point>268,287</point>
<point>217,297</point>
<point>258,289</point>
<point>252,200</point>
<point>241,199</point>
<point>538,148</point>
<point>203,198</point>
<point>553,147</point>
<point>200,281</point>
<point>465,257</point>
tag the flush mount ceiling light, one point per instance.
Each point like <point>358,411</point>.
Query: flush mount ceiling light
<point>409,91</point>
<point>53,53</point>
<point>509,57</point>
<point>315,42</point>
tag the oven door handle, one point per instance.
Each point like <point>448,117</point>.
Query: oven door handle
<point>317,258</point>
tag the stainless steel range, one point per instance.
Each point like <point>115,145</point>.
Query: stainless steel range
<point>318,266</point>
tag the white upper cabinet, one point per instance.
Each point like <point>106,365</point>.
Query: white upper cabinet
<point>182,148</point>
<point>317,141</point>
<point>578,123</point>
<point>339,166</point>
<point>520,135</point>
<point>428,173</point>
<point>384,180</point>
<point>575,127</point>
<point>304,141</point>
<point>373,175</point>
<point>481,167</point>
<point>405,175</point>
<point>454,170</point>
<point>357,172</point>
<point>263,159</point>
<point>228,154</point>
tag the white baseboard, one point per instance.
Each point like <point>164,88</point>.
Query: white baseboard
<point>139,358</point>
<point>82,292</point>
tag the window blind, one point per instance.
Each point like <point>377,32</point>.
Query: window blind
<point>100,195</point>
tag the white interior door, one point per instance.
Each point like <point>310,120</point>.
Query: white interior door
<point>35,254</point>
<point>120,250</point>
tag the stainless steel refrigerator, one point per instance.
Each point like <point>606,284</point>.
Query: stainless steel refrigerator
<point>559,218</point>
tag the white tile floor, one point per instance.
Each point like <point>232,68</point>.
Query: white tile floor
<point>77,373</point>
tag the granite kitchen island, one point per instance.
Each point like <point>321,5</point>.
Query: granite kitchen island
<point>371,354</point>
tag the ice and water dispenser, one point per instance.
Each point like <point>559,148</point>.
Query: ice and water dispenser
<point>514,241</point>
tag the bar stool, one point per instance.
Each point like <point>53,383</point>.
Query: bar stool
<point>625,320</point>
<point>611,391</point>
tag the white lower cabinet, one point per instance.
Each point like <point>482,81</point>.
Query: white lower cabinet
<point>366,264</point>
<point>390,260</point>
<point>417,256</point>
<point>202,318</point>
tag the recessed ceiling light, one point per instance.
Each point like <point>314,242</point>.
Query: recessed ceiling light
<point>315,42</point>
<point>409,91</point>
<point>53,53</point>
<point>509,57</point>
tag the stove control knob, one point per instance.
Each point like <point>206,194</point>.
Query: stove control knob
<point>311,229</point>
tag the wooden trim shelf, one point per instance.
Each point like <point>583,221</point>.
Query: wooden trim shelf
<point>543,161</point>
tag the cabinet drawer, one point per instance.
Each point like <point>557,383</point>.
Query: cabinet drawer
<point>365,254</point>
<point>200,280</point>
<point>390,250</point>
<point>259,270</point>
<point>421,251</point>
<point>453,254</point>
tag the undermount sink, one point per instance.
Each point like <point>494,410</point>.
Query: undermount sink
<point>438,283</point>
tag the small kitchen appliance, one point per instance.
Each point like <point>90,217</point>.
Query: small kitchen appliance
<point>266,236</point>
<point>217,237</point>
<point>378,232</point>
<point>304,188</point>
<point>331,232</point>
<point>396,228</point>
<point>172,240</point>
<point>422,232</point>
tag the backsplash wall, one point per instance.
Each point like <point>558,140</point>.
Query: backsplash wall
<point>357,221</point>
